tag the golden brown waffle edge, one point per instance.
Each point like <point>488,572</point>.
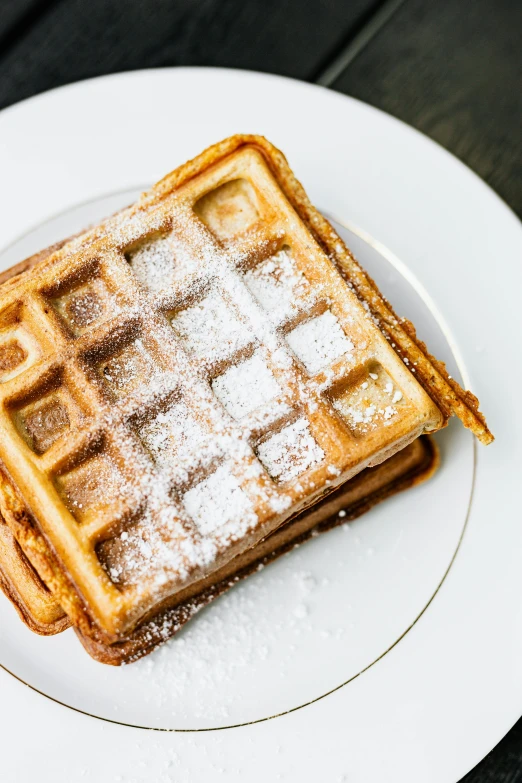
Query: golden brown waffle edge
<point>22,585</point>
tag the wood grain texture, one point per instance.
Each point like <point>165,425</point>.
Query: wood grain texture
<point>13,12</point>
<point>503,764</point>
<point>453,70</point>
<point>76,39</point>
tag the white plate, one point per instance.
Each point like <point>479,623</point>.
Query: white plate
<point>431,671</point>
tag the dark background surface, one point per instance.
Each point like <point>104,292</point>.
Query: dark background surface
<point>451,68</point>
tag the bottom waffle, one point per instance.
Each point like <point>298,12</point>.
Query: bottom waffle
<point>24,588</point>
<point>411,466</point>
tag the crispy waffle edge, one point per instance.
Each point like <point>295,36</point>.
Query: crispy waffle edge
<point>55,620</point>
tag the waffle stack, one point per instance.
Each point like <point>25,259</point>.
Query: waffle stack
<point>180,384</point>
<point>414,464</point>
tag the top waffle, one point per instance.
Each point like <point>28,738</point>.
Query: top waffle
<point>179,381</point>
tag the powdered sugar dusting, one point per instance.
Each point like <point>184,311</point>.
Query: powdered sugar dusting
<point>136,553</point>
<point>319,341</point>
<point>290,452</point>
<point>210,329</point>
<point>219,507</point>
<point>217,327</point>
<point>159,262</point>
<point>172,433</point>
<point>268,629</point>
<point>125,370</point>
<point>277,284</point>
<point>197,375</point>
<point>373,403</point>
<point>246,386</point>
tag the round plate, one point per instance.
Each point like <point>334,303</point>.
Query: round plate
<point>429,654</point>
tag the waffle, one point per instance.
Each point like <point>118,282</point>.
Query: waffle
<point>21,584</point>
<point>178,382</point>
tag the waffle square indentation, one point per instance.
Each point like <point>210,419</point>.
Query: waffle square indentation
<point>230,209</point>
<point>151,546</point>
<point>92,487</point>
<point>160,262</point>
<point>42,422</point>
<point>290,452</point>
<point>219,507</point>
<point>85,305</point>
<point>127,370</point>
<point>18,351</point>
<point>319,342</point>
<point>277,284</point>
<point>374,401</point>
<point>210,329</point>
<point>172,434</point>
<point>246,386</point>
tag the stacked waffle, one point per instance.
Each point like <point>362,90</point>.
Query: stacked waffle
<point>181,387</point>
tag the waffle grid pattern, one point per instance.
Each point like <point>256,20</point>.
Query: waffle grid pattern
<point>109,350</point>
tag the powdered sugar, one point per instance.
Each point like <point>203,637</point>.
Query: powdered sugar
<point>277,284</point>
<point>212,345</point>
<point>172,433</point>
<point>219,507</point>
<point>246,386</point>
<point>124,371</point>
<point>210,329</point>
<point>319,341</point>
<point>371,403</point>
<point>290,452</point>
<point>154,540</point>
<point>158,262</point>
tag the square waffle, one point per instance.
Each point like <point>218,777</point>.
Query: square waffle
<point>181,380</point>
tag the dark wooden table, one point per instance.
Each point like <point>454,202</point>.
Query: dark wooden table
<point>451,68</point>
